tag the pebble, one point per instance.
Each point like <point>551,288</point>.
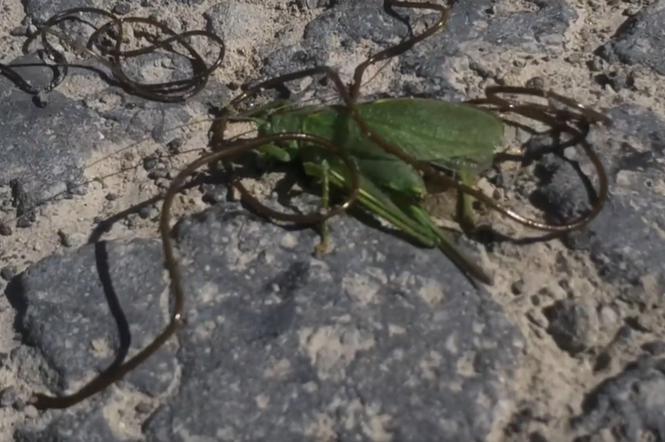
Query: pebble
<point>8,272</point>
<point>5,229</point>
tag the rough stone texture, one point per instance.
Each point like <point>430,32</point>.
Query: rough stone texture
<point>635,161</point>
<point>630,405</point>
<point>301,347</point>
<point>475,29</point>
<point>137,118</point>
<point>316,3</point>
<point>48,139</point>
<point>534,30</point>
<point>227,20</point>
<point>44,147</point>
<point>627,246</point>
<point>117,309</point>
<point>42,10</point>
<point>640,39</point>
<point>320,345</point>
<point>79,427</point>
<point>559,192</point>
<point>335,29</point>
<point>477,33</point>
<point>634,156</point>
<point>569,325</point>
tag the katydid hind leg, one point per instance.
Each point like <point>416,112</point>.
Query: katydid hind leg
<point>465,263</point>
<point>414,222</point>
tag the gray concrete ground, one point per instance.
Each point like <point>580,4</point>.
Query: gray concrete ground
<point>378,340</point>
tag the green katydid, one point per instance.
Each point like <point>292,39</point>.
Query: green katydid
<point>377,154</point>
<point>425,136</point>
<point>452,136</point>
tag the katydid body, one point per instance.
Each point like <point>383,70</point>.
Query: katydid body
<point>456,137</point>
